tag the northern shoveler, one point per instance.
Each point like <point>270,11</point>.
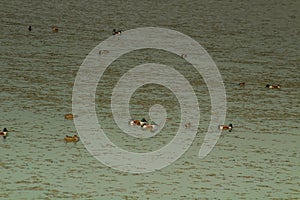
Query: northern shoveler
<point>4,133</point>
<point>225,127</point>
<point>273,86</point>
<point>74,138</point>
<point>138,122</point>
<point>115,32</point>
<point>135,122</point>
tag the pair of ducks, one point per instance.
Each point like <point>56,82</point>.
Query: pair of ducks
<point>144,124</point>
<point>54,29</point>
<point>221,127</point>
<point>267,86</point>
<point>73,138</point>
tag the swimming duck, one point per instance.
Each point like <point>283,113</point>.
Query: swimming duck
<point>103,52</point>
<point>188,125</point>
<point>225,127</point>
<point>152,126</point>
<point>135,122</point>
<point>242,84</point>
<point>273,86</point>
<point>183,55</point>
<point>115,32</point>
<point>74,138</point>
<point>69,116</point>
<point>141,122</point>
<point>29,28</point>
<point>54,29</point>
<point>4,133</point>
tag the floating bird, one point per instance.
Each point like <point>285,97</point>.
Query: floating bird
<point>69,116</point>
<point>225,127</point>
<point>4,133</point>
<point>183,55</point>
<point>188,125</point>
<point>138,122</point>
<point>273,86</point>
<point>115,32</point>
<point>152,126</point>
<point>103,52</point>
<point>29,28</point>
<point>242,84</point>
<point>54,29</point>
<point>74,138</point>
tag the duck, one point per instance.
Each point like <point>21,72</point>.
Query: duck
<point>152,126</point>
<point>4,133</point>
<point>74,138</point>
<point>29,28</point>
<point>273,86</point>
<point>103,52</point>
<point>225,127</point>
<point>183,55</point>
<point>134,122</point>
<point>137,122</point>
<point>115,32</point>
<point>54,29</point>
<point>69,116</point>
<point>188,125</point>
<point>242,84</point>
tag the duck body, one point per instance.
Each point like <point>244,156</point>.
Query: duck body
<point>150,127</point>
<point>188,125</point>
<point>273,86</point>
<point>4,133</point>
<point>225,127</point>
<point>242,84</point>
<point>103,52</point>
<point>138,122</point>
<point>69,116</point>
<point>54,29</point>
<point>115,32</point>
<point>74,138</point>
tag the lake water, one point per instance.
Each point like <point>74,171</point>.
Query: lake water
<point>255,42</point>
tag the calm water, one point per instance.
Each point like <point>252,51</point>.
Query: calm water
<point>252,42</point>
